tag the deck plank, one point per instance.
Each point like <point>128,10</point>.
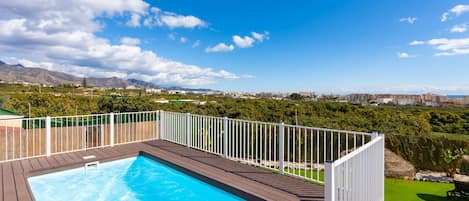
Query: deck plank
<point>9,186</point>
<point>26,164</point>
<point>53,162</point>
<point>43,162</point>
<point>35,164</point>
<point>21,183</point>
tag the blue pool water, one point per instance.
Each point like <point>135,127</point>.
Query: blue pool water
<point>131,179</point>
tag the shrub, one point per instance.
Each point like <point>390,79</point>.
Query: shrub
<point>423,152</point>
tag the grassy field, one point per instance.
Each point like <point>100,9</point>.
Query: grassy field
<point>402,190</point>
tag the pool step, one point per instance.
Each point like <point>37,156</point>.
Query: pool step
<point>94,164</point>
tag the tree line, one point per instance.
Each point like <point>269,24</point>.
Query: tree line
<point>403,120</point>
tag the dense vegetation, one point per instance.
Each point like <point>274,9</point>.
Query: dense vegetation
<point>409,129</point>
<point>385,119</point>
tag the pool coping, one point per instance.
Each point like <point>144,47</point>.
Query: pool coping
<point>15,174</point>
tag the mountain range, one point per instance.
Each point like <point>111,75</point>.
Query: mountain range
<point>19,73</point>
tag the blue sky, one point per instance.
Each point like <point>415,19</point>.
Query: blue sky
<point>323,46</point>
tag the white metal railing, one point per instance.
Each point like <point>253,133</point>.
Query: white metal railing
<point>23,138</point>
<point>294,150</point>
<point>132,127</point>
<point>358,176</point>
<point>353,162</point>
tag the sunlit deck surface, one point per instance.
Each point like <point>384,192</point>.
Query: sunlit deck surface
<point>243,180</point>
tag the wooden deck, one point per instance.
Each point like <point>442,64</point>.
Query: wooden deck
<point>243,180</point>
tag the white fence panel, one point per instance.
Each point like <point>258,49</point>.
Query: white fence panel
<point>358,176</point>
<point>132,127</point>
<point>22,138</point>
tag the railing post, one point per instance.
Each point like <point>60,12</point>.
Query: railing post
<point>225,137</point>
<point>281,147</point>
<point>329,181</point>
<point>111,129</point>
<point>157,126</point>
<point>162,125</point>
<point>48,138</point>
<point>374,135</point>
<point>188,129</point>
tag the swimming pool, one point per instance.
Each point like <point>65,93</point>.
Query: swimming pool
<point>131,179</point>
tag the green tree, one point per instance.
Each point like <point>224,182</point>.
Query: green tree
<point>296,96</point>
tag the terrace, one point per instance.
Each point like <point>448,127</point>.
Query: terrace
<point>253,160</point>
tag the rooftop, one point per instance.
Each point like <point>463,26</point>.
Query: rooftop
<point>4,111</point>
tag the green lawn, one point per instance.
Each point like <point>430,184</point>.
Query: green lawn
<point>308,173</point>
<point>405,190</point>
<point>402,190</point>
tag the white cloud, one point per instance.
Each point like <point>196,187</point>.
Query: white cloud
<point>134,20</point>
<point>172,20</point>
<point>460,9</point>
<point>183,39</point>
<point>248,41</point>
<point>130,41</point>
<point>449,47</point>
<point>460,28</point>
<point>247,76</point>
<point>243,42</point>
<point>410,20</point>
<point>444,16</point>
<point>449,44</point>
<point>60,35</point>
<point>196,44</point>
<point>453,52</point>
<point>405,55</point>
<point>220,47</point>
<point>55,15</point>
<point>259,36</point>
<point>417,42</point>
<point>455,11</point>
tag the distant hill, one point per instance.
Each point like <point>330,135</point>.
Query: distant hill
<point>141,83</point>
<point>19,73</point>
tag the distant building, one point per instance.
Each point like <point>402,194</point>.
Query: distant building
<point>407,99</point>
<point>359,98</point>
<point>384,100</point>
<point>465,100</point>
<point>10,119</point>
<point>459,101</point>
<point>176,92</point>
<point>153,91</point>
<point>131,87</point>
